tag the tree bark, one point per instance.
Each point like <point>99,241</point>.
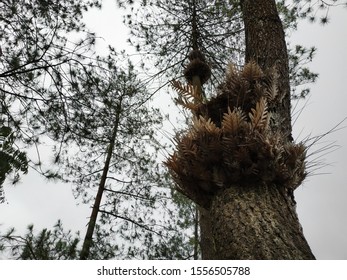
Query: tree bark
<point>266,45</point>
<point>257,222</point>
<point>260,222</point>
<point>206,237</point>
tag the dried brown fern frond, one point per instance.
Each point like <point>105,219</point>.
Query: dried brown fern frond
<point>188,95</point>
<point>231,70</point>
<point>233,78</point>
<point>184,102</point>
<point>295,153</point>
<point>271,91</point>
<point>252,71</point>
<point>259,117</point>
<point>233,120</point>
<point>187,148</point>
<point>173,163</point>
<point>188,91</point>
<point>271,83</point>
<point>201,124</point>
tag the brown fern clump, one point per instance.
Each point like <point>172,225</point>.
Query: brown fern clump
<point>231,141</point>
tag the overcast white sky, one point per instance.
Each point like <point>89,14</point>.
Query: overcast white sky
<point>321,200</point>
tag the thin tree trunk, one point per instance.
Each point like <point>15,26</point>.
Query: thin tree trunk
<point>196,233</point>
<point>202,215</point>
<point>88,239</point>
<point>195,31</point>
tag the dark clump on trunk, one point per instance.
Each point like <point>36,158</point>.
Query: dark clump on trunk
<point>233,163</point>
<point>237,160</point>
<point>231,141</point>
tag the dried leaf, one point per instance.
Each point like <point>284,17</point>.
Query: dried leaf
<point>270,82</point>
<point>233,120</point>
<point>187,104</point>
<point>252,71</point>
<point>188,91</point>
<point>187,148</point>
<point>189,96</point>
<point>231,71</point>
<point>259,116</point>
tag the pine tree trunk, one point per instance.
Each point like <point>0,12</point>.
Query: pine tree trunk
<point>88,239</point>
<point>238,160</point>
<point>258,222</point>
<point>266,45</point>
<point>206,237</point>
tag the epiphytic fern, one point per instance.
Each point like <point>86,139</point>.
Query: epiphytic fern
<point>252,71</point>
<point>230,141</point>
<point>201,124</point>
<point>259,117</point>
<point>233,120</point>
<point>188,95</point>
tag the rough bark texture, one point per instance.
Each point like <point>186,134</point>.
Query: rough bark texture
<point>258,222</point>
<point>265,44</point>
<point>206,237</point>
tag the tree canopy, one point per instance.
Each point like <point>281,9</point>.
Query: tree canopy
<point>164,32</point>
<point>43,45</point>
<point>92,107</point>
